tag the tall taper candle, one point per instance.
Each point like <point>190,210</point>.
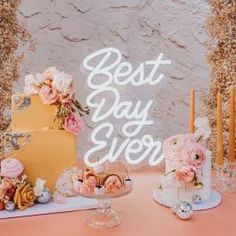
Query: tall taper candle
<point>219,158</point>
<point>231,150</point>
<point>192,111</point>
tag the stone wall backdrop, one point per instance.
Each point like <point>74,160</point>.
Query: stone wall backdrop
<point>68,30</point>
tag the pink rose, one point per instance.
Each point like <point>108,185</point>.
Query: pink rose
<point>186,173</point>
<point>11,168</point>
<point>194,154</point>
<point>73,124</point>
<point>173,145</point>
<point>48,95</point>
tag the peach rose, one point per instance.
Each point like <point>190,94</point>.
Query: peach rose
<point>73,124</point>
<point>11,168</point>
<point>186,173</point>
<point>24,196</point>
<point>48,95</point>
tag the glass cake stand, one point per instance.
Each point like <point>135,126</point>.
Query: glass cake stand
<point>104,216</point>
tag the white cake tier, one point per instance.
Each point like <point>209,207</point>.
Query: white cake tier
<point>174,190</point>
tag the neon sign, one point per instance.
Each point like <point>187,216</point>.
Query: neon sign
<point>107,73</point>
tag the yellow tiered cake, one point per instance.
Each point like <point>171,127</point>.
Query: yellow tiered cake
<point>49,150</point>
<point>30,114</point>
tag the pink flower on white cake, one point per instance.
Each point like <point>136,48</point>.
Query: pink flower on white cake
<point>194,154</point>
<point>11,168</point>
<point>173,145</point>
<point>48,94</point>
<point>186,173</point>
<point>73,124</point>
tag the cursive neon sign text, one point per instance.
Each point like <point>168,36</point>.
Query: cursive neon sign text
<point>107,69</point>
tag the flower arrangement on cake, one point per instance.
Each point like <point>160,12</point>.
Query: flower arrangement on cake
<point>56,87</point>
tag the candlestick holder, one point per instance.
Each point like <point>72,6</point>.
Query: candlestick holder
<point>225,179</point>
<point>219,182</point>
<point>230,176</point>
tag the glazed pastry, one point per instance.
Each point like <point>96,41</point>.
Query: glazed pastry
<point>88,185</point>
<point>87,172</point>
<point>112,183</point>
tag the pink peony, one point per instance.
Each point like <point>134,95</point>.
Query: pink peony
<point>186,173</point>
<point>173,145</point>
<point>73,124</point>
<point>48,95</point>
<point>194,154</point>
<point>11,168</point>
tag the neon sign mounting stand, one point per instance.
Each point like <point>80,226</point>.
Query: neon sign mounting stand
<point>114,71</point>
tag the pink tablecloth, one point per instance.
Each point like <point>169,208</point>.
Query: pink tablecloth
<point>141,217</point>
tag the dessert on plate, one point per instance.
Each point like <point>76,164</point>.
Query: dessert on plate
<point>100,181</point>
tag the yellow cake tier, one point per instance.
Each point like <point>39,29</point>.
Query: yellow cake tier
<point>30,114</point>
<point>47,154</point>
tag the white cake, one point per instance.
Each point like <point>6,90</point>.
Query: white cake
<point>186,191</point>
<point>188,170</point>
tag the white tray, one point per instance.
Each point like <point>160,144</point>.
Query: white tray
<point>71,204</point>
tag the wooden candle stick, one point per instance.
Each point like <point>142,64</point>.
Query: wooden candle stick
<point>219,158</point>
<point>231,149</point>
<point>192,111</point>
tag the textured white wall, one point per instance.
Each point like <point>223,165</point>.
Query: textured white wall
<point>68,30</point>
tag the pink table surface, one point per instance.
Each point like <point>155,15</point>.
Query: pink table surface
<point>141,217</point>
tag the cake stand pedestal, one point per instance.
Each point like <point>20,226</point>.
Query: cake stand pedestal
<point>104,216</point>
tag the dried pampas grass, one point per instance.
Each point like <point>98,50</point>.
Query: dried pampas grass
<point>221,26</point>
<point>12,34</point>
